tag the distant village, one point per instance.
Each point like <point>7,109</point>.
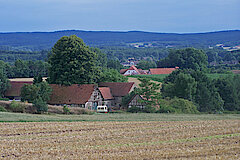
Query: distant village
<point>89,96</point>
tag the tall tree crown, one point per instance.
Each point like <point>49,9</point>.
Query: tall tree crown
<point>72,62</point>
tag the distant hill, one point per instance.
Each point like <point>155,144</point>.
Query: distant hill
<point>34,41</point>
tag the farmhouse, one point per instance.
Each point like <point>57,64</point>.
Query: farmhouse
<point>236,71</point>
<point>136,102</point>
<point>84,95</point>
<point>14,92</point>
<point>132,71</point>
<point>118,90</point>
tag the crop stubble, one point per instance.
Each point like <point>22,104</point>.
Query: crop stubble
<point>121,140</point>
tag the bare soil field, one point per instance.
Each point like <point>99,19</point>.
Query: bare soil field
<point>209,139</point>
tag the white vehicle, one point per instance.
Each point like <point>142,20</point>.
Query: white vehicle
<point>102,109</point>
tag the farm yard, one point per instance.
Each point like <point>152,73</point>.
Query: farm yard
<point>121,136</point>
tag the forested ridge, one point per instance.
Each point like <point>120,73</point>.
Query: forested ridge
<point>35,41</point>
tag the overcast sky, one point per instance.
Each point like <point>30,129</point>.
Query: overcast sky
<point>178,16</point>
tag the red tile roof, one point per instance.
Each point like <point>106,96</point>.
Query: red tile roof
<point>15,88</point>
<point>161,70</point>
<point>106,93</point>
<point>118,89</point>
<point>122,71</point>
<point>134,68</point>
<point>74,94</point>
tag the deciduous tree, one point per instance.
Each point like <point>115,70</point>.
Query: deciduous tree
<point>72,62</point>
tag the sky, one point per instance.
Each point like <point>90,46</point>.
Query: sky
<point>165,16</point>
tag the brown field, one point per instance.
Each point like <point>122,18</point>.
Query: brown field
<point>210,139</point>
<point>137,82</point>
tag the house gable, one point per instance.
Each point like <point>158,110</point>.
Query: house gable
<point>136,101</point>
<point>106,93</point>
<point>130,71</point>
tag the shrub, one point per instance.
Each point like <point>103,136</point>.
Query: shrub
<point>149,109</point>
<point>134,109</point>
<point>66,109</point>
<point>2,109</point>
<point>183,106</point>
<point>4,99</point>
<point>40,105</point>
<point>17,107</point>
<point>166,109</point>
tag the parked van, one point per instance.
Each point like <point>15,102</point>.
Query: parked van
<point>102,109</point>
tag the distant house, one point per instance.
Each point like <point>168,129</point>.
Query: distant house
<point>118,90</point>
<point>108,99</point>
<point>162,70</point>
<point>132,71</point>
<point>236,71</point>
<point>136,102</point>
<point>84,95</point>
<point>14,91</point>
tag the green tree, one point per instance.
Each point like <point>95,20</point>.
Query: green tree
<point>39,90</point>
<point>29,93</point>
<point>150,92</point>
<point>101,58</point>
<point>145,65</point>
<point>21,69</point>
<point>183,86</point>
<point>72,62</point>
<point>40,105</point>
<point>188,58</point>
<point>194,86</point>
<point>44,91</point>
<point>114,64</point>
<point>37,79</point>
<point>207,97</point>
<point>111,75</point>
<point>4,82</point>
<point>229,90</point>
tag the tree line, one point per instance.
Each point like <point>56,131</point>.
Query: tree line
<point>189,89</point>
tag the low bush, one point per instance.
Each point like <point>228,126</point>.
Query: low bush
<point>2,109</point>
<point>134,109</point>
<point>183,106</point>
<point>40,105</point>
<point>66,109</point>
<point>166,109</point>
<point>148,109</point>
<point>4,99</point>
<point>17,107</point>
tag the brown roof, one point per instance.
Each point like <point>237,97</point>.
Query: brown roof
<point>161,70</point>
<point>74,94</point>
<point>15,89</point>
<point>236,71</point>
<point>106,93</point>
<point>118,89</point>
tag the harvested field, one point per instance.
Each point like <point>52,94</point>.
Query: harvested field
<point>210,139</point>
